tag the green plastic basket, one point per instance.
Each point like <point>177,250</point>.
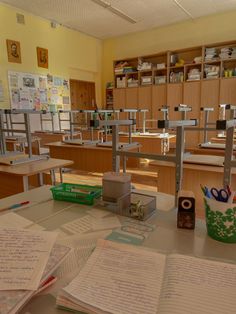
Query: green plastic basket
<point>76,193</point>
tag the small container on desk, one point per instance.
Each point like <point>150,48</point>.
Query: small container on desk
<point>76,193</point>
<point>220,220</point>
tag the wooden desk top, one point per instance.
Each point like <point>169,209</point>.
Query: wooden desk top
<point>198,162</point>
<point>82,147</point>
<point>35,167</point>
<point>150,136</point>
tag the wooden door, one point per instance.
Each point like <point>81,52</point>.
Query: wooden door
<point>174,98</point>
<point>119,98</point>
<point>210,98</point>
<point>192,97</point>
<point>228,91</point>
<point>158,100</point>
<point>82,95</point>
<point>131,98</point>
<point>145,102</point>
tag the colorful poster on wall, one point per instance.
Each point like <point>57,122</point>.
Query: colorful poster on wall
<point>38,92</point>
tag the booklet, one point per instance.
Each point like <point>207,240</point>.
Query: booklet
<point>120,278</point>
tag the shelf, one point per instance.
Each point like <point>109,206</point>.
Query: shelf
<point>176,67</point>
<point>212,62</point>
<point>134,72</point>
<point>192,64</point>
<point>230,77</point>
<point>143,71</point>
<point>157,70</point>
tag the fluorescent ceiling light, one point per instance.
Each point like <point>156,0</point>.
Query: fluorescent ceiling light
<point>114,10</point>
<point>183,9</point>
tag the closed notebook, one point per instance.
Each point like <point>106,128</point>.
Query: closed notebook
<point>13,301</point>
<point>119,278</point>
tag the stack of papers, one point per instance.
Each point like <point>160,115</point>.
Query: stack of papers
<point>194,75</point>
<point>119,278</point>
<point>210,54</point>
<point>27,258</point>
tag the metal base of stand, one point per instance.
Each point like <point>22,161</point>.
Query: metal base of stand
<point>27,160</point>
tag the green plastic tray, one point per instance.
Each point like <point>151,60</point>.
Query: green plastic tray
<point>76,193</point>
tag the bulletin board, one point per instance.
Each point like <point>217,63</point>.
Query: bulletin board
<point>38,92</point>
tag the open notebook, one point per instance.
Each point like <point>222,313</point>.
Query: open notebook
<point>12,301</point>
<point>119,278</point>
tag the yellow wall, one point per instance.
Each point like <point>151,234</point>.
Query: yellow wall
<point>71,53</point>
<point>211,29</point>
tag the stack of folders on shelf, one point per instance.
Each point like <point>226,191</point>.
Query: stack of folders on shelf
<point>120,278</point>
<point>27,264</point>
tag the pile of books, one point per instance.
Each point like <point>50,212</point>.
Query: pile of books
<point>212,71</point>
<point>228,52</point>
<point>194,75</point>
<point>210,54</point>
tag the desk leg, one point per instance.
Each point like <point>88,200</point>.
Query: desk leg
<point>25,183</point>
<point>53,178</point>
<point>40,178</point>
<point>61,175</point>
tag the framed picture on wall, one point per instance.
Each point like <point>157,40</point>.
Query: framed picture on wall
<point>13,51</point>
<point>42,56</point>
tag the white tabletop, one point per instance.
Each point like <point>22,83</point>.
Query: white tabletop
<point>166,237</point>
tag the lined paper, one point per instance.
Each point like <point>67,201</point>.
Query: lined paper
<point>23,255</point>
<point>119,279</point>
<point>195,285</point>
<point>80,225</point>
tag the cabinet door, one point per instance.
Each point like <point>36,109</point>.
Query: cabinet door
<point>209,98</point>
<point>228,91</point>
<point>192,97</point>
<point>158,100</point>
<point>174,98</point>
<point>131,98</point>
<point>145,102</point>
<point>119,98</point>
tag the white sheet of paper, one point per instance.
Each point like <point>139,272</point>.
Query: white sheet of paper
<point>80,225</point>
<point>132,283</point>
<point>13,220</point>
<point>106,223</point>
<point>23,255</point>
<point>198,286</point>
<point>97,213</point>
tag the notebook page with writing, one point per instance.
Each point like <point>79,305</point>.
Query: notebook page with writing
<point>119,279</point>
<point>194,285</point>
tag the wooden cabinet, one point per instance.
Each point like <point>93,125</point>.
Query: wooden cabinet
<point>192,97</point>
<point>228,91</point>
<point>158,100</point>
<point>119,98</point>
<point>210,90</point>
<point>174,98</point>
<point>145,102</point>
<point>131,98</point>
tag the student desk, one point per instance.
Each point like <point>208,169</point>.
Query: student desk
<point>15,179</point>
<point>88,158</point>
<point>166,237</point>
<point>198,169</point>
<point>208,151</point>
<point>14,143</point>
<point>49,137</point>
<point>152,144</point>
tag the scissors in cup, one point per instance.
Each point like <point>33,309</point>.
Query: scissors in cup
<point>221,195</point>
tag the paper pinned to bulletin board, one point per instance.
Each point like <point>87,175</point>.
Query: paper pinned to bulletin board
<point>39,92</point>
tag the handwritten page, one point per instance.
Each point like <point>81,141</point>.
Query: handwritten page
<point>194,285</point>
<point>23,255</point>
<point>119,279</point>
<point>105,223</point>
<point>80,225</point>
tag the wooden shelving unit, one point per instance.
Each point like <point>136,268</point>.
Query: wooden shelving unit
<point>207,91</point>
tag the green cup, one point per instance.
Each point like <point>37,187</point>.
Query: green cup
<point>220,220</point>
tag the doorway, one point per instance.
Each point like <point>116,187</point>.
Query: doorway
<point>82,95</point>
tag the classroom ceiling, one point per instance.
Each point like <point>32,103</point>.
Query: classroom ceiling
<point>110,18</point>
